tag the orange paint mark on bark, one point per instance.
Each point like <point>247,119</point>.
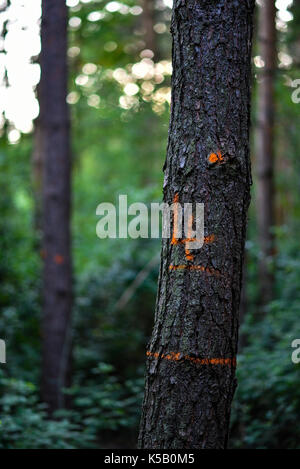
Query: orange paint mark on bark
<point>175,201</point>
<point>58,259</point>
<point>220,157</point>
<point>176,198</point>
<point>201,268</point>
<point>188,255</point>
<point>173,356</point>
<point>209,239</point>
<point>213,158</point>
<point>216,157</point>
<point>175,241</point>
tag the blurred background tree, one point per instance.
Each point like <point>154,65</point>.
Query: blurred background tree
<point>267,45</point>
<point>119,95</point>
<point>53,148</point>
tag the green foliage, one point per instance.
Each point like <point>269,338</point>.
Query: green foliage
<point>101,405</point>
<point>105,404</point>
<point>24,423</point>
<point>266,407</point>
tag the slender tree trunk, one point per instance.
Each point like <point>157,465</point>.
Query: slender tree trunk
<point>191,356</point>
<point>243,306</point>
<point>148,24</point>
<point>265,147</point>
<point>37,170</point>
<point>294,28</point>
<point>55,128</point>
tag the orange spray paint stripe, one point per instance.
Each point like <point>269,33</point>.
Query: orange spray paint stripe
<point>207,239</point>
<point>175,357</point>
<point>201,268</point>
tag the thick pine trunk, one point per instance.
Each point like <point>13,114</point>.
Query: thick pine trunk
<point>55,128</point>
<point>265,147</point>
<point>191,356</point>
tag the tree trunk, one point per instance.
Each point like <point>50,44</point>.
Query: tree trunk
<point>55,128</point>
<point>148,25</point>
<point>37,171</point>
<point>265,147</point>
<point>191,356</point>
<point>243,306</point>
<point>294,33</point>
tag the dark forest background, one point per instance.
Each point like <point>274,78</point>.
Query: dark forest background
<point>119,93</point>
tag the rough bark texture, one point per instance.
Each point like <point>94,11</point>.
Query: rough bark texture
<point>265,147</point>
<point>191,356</point>
<point>55,128</point>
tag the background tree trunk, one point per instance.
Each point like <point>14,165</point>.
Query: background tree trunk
<point>265,147</point>
<point>191,356</point>
<point>294,33</point>
<point>37,171</point>
<point>148,22</point>
<point>55,129</point>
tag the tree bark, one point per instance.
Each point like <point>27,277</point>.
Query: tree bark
<point>190,379</point>
<point>55,131</point>
<point>265,148</point>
